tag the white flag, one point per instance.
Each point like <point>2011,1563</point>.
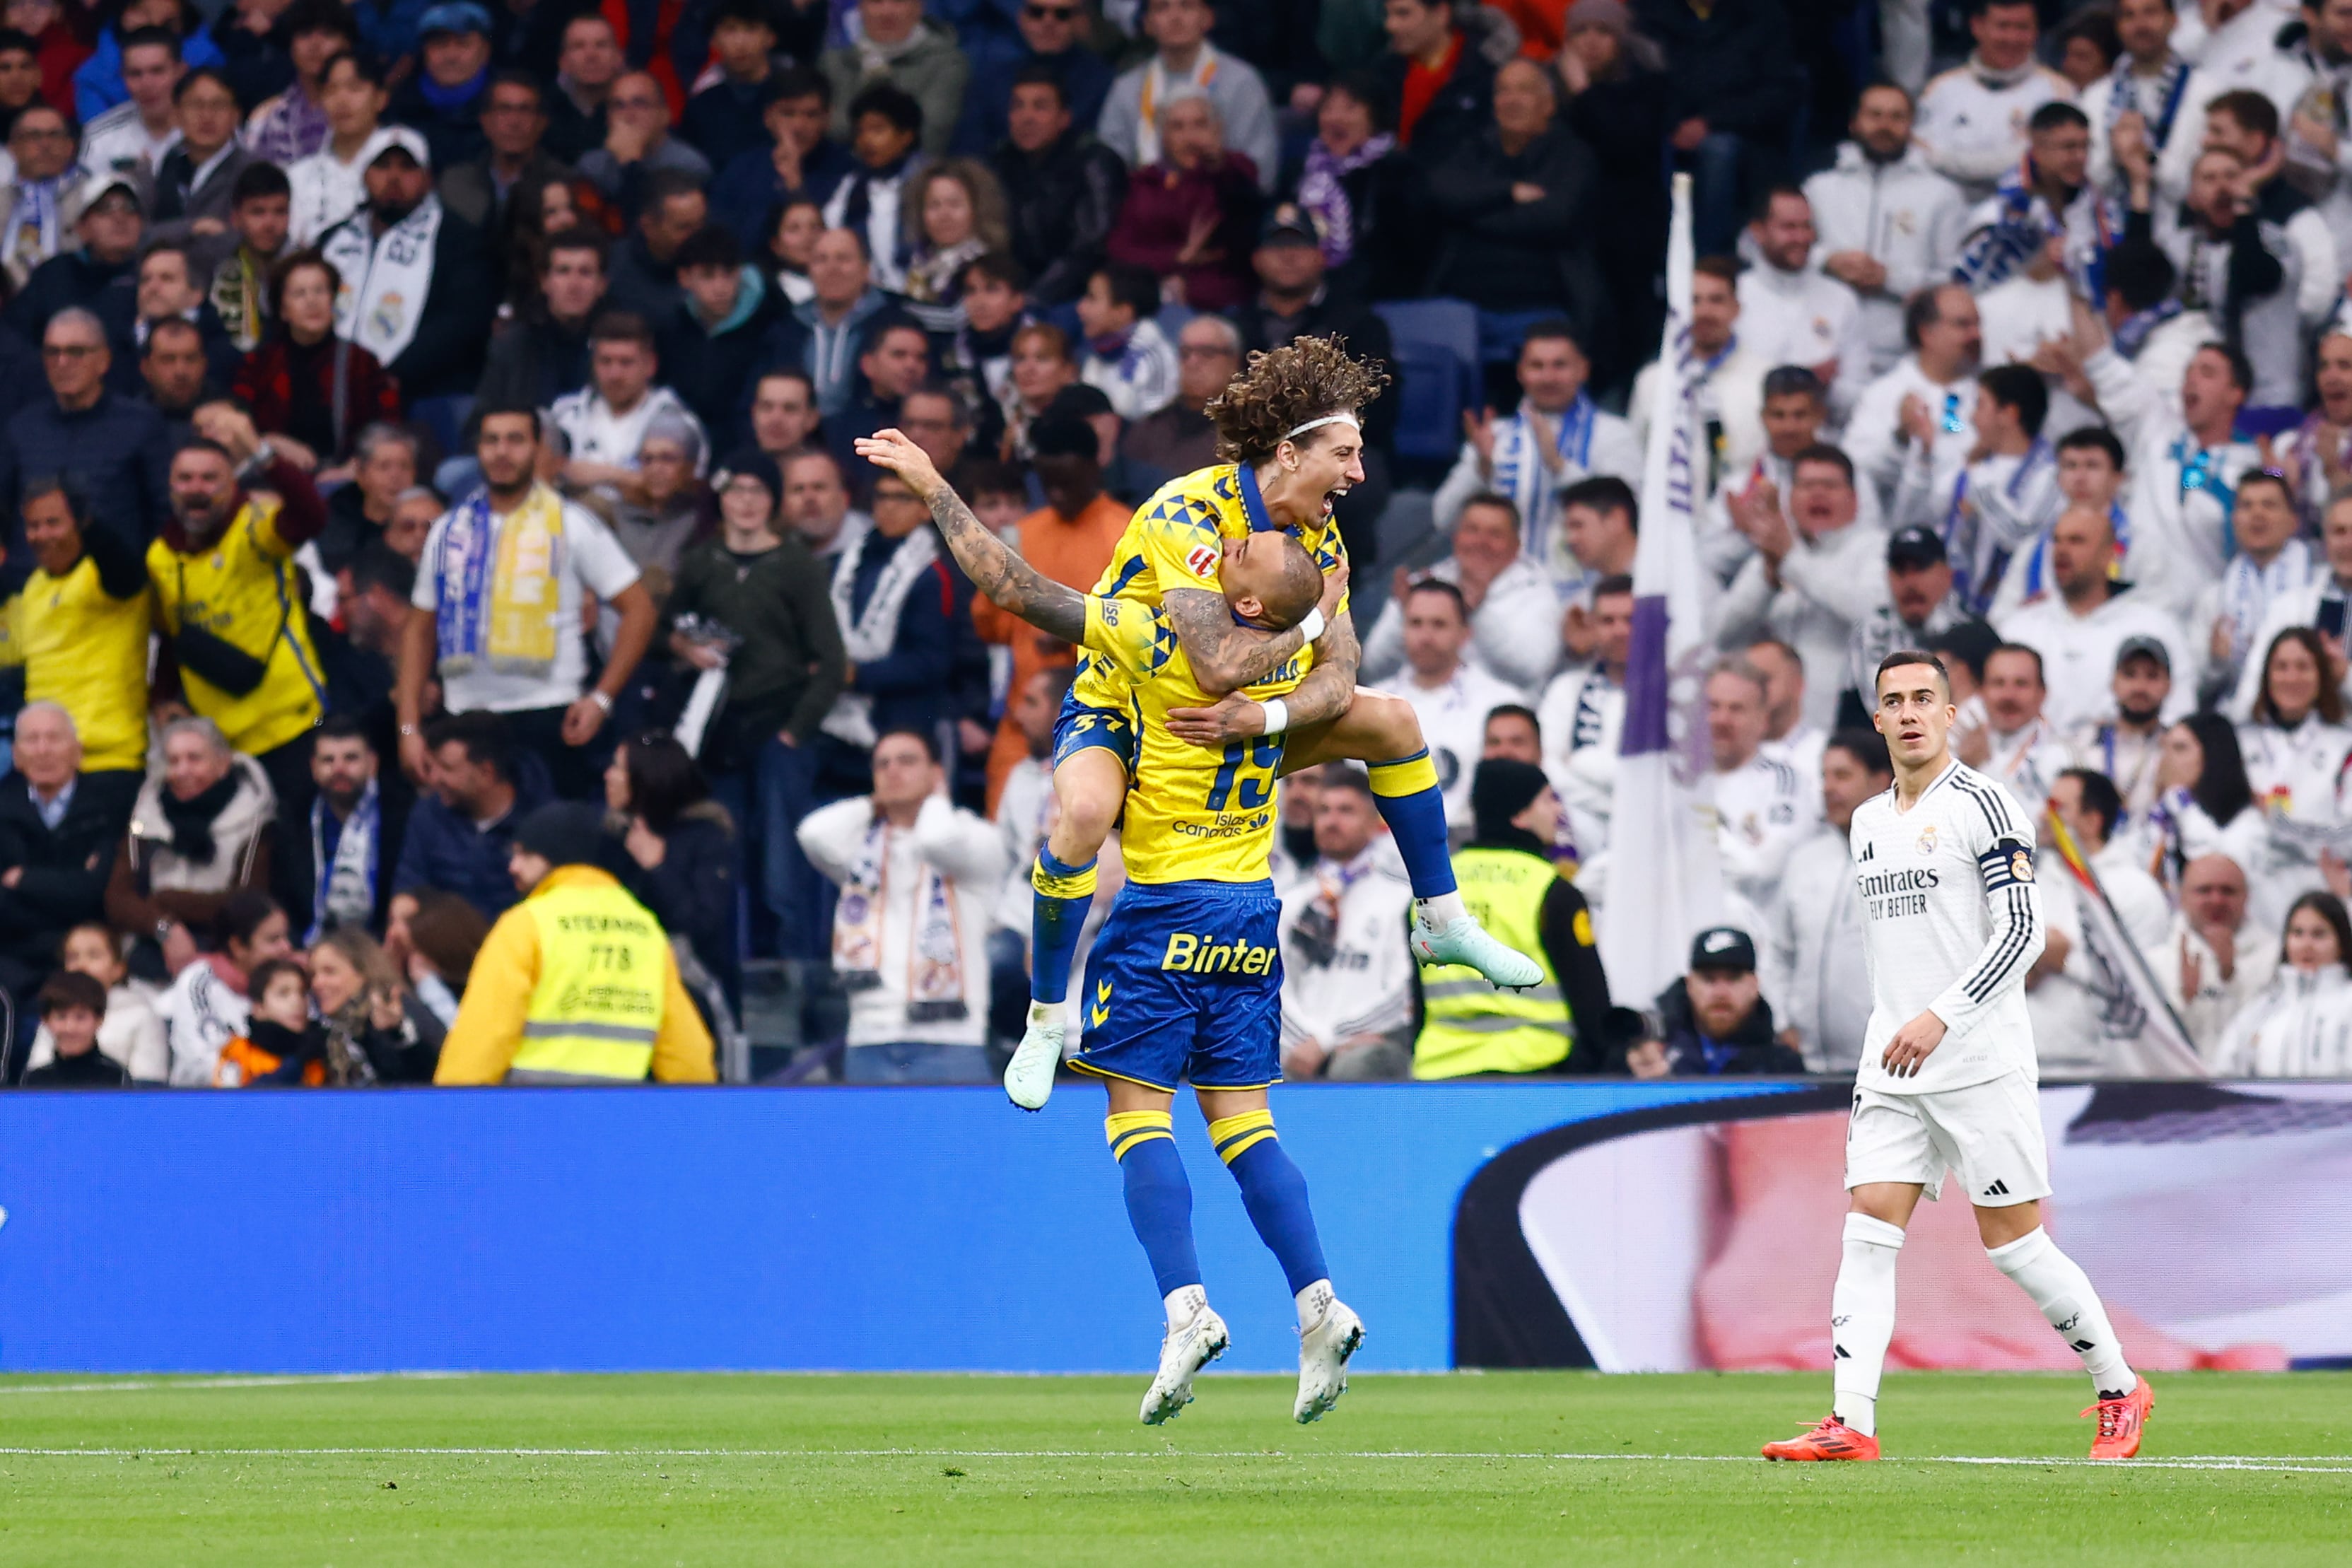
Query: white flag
<point>1665,884</point>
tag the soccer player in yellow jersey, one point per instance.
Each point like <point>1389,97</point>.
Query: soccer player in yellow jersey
<point>1186,979</point>
<point>1290,443</point>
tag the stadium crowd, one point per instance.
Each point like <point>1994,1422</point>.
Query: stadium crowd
<point>2045,366</point>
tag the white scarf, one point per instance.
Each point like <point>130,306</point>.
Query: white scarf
<point>386,278</point>
<point>2248,590</point>
<point>1521,473</point>
<point>345,893</point>
<point>871,635</point>
<point>1158,86</point>
<point>934,966</point>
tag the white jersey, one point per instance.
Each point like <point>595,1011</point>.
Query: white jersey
<point>1452,717</point>
<point>1951,921</point>
<point>1763,808</point>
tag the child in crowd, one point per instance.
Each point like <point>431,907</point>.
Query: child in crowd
<point>280,1043</point>
<point>72,1007</point>
<point>130,1033</point>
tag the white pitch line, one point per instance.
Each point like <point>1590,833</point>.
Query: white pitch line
<point>289,1380</point>
<point>2326,1465</point>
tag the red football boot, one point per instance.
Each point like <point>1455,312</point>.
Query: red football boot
<point>2121,1421</point>
<point>1832,1439</point>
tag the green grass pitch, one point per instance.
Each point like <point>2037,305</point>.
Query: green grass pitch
<point>1517,1469</point>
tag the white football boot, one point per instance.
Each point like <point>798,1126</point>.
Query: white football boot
<point>1184,1351</point>
<point>1464,941</point>
<point>1324,1347</point>
<point>1029,1075</point>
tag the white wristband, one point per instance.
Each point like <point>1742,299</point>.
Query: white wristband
<point>1277,715</point>
<point>1310,628</point>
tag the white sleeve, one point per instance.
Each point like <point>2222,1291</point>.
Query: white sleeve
<point>1383,653</point>
<point>604,568</point>
<point>2125,398</point>
<point>959,843</point>
<point>2321,278</point>
<point>830,833</point>
<point>1518,634</point>
<point>2002,847</point>
<point>427,594</point>
<point>1841,580</point>
<point>1464,481</point>
<point>1617,451</point>
<point>1740,615</point>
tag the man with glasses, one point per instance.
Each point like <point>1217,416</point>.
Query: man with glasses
<point>637,143</point>
<point>1052,39</point>
<point>514,122</point>
<point>37,208</point>
<point>111,450</point>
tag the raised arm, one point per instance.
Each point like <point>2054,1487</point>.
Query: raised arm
<point>1007,580</point>
<point>1225,655</point>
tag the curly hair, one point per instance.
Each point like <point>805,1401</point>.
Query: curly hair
<point>1281,389</point>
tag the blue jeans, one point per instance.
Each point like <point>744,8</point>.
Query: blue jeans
<point>908,1061</point>
<point>769,804</point>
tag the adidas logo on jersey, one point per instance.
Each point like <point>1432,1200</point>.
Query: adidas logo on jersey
<point>1190,955</point>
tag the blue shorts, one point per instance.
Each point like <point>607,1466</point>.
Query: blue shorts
<point>1080,725</point>
<point>1185,985</point>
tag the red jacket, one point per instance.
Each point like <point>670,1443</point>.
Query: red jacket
<point>1157,220</point>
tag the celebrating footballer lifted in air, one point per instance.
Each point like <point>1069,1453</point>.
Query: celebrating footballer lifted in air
<point>1219,656</point>
<point>1952,922</point>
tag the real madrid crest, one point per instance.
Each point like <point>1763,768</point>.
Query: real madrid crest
<point>1927,845</point>
<point>2020,865</point>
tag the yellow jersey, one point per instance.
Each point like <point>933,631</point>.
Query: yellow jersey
<point>242,588</point>
<point>86,650</point>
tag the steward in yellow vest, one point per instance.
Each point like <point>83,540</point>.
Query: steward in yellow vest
<point>1509,884</point>
<point>575,984</point>
<point>228,596</point>
<point>82,625</point>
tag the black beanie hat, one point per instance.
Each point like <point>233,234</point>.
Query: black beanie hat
<point>1500,790</point>
<point>751,463</point>
<point>563,833</point>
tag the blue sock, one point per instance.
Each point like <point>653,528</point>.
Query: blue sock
<point>1413,806</point>
<point>1064,894</point>
<point>1159,1195</point>
<point>1274,1193</point>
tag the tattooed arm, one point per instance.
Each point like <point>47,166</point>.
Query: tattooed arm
<point>1326,692</point>
<point>994,569</point>
<point>1226,657</point>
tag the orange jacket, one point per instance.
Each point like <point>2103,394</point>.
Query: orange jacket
<point>1073,553</point>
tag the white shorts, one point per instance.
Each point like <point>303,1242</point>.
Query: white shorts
<point>1989,1132</point>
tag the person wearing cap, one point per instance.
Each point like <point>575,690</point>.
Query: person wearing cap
<point>1815,576</point>
<point>1127,355</point>
<point>109,225</point>
<point>2127,748</point>
<point>917,874</point>
<point>1714,1021</point>
<point>443,98</point>
<point>758,585</point>
<point>1555,440</point>
<point>576,984</point>
<point>1921,601</point>
<point>420,286</point>
<point>1810,947</point>
<point>1558,1024</point>
<point>2086,617</point>
<point>1070,538</point>
<point>126,123</point>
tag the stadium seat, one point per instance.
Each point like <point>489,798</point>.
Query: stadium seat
<point>445,419</point>
<point>1436,343</point>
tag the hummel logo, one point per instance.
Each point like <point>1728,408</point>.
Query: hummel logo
<point>1100,1012</point>
<point>1998,1190</point>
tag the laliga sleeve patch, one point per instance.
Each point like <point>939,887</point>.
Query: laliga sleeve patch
<point>2007,864</point>
<point>1202,559</point>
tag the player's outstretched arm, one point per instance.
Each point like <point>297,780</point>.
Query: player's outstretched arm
<point>1007,580</point>
<point>1326,692</point>
<point>1225,657</point>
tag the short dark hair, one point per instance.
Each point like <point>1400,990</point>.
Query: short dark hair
<point>1921,311</point>
<point>1722,269</point>
<point>997,267</point>
<point>150,38</point>
<point>581,239</point>
<point>321,16</point>
<point>2252,111</point>
<point>344,727</point>
<point>486,738</point>
<point>2041,675</point>
<point>1440,585</point>
<point>1039,73</point>
<point>2018,386</point>
<point>2241,369</point>
<point>362,67</point>
<point>1555,330</point>
<point>509,77</point>
<point>522,410</point>
<point>1615,582</point>
<point>786,373</point>
<point>1867,747</point>
<point>1604,493</point>
<point>212,74</point>
<point>173,325</point>
<point>257,984</point>
<point>892,103</point>
<point>1823,452</point>
<point>796,81</point>
<point>379,565</point>
<point>1137,288</point>
<point>923,738</point>
<point>663,186</point>
<point>241,914</point>
<point>69,989</point>
<point>621,327</point>
<point>1903,656</point>
<point>1513,710</point>
<point>58,483</point>
<point>1971,642</point>
<point>2269,477</point>
<point>1762,209</point>
<point>2140,273</point>
<point>2098,436</point>
<point>1492,499</point>
<point>257,181</point>
<point>2058,112</point>
<point>713,244</point>
<point>2100,797</point>
<point>1794,381</point>
<point>16,43</point>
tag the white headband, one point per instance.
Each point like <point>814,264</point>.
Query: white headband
<point>1347,419</point>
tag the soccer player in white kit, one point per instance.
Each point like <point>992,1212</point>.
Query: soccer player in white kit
<point>1952,922</point>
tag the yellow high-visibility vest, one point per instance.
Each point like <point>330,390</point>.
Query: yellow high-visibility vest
<point>598,1004</point>
<point>1469,1024</point>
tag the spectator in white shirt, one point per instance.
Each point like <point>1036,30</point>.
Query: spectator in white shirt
<point>1451,696</point>
<point>910,932</point>
<point>1971,121</point>
<point>606,420</point>
<point>2204,806</point>
<point>1929,395</point>
<point>1128,357</point>
<point>2072,987</point>
<point>2282,161</point>
<point>1347,977</point>
<point>1888,224</point>
<point>2301,1025</point>
<point>1601,524</point>
<point>1554,439</point>
<point>1762,808</point>
<point>2045,205</point>
<point>2316,455</point>
<point>2153,95</point>
<point>2128,746</point>
<point>1814,971</point>
<point>1582,717</point>
<point>1810,584</point>
<point>2217,960</point>
<point>2271,564</point>
<point>2319,601</point>
<point>2087,616</point>
<point>1514,610</point>
<point>330,184</point>
<point>1796,416</point>
<point>1791,314</point>
<point>2297,752</point>
<point>1727,402</point>
<point>1991,509</point>
<point>2007,736</point>
<point>1787,733</point>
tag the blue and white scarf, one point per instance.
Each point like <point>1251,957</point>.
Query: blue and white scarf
<point>1963,525</point>
<point>343,889</point>
<point>2160,106</point>
<point>2026,223</point>
<point>1323,192</point>
<point>1521,473</point>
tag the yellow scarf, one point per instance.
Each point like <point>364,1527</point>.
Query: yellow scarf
<point>518,635</point>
